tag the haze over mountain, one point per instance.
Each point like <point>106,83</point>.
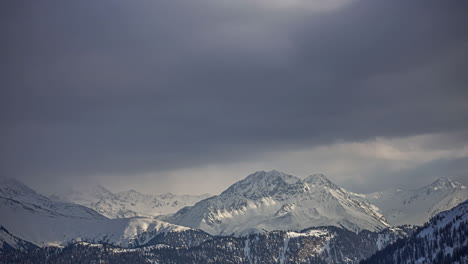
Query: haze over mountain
<point>128,203</point>
<point>151,103</point>
<point>34,218</point>
<point>269,216</point>
<point>188,96</point>
<point>442,240</point>
<point>415,207</point>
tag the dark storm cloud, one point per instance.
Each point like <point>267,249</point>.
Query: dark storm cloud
<point>119,87</point>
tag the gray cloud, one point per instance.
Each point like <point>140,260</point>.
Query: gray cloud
<point>123,88</point>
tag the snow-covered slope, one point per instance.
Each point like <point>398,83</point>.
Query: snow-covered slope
<point>415,207</point>
<point>129,203</point>
<point>444,239</point>
<point>20,193</point>
<point>11,242</point>
<point>98,198</point>
<point>36,219</point>
<point>266,201</point>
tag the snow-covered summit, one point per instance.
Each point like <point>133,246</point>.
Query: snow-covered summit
<point>16,191</point>
<point>262,184</point>
<point>417,206</point>
<point>319,179</point>
<point>277,201</point>
<point>12,188</point>
<point>32,217</point>
<point>444,184</point>
<point>84,195</point>
<point>127,203</point>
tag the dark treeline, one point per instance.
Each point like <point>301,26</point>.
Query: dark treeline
<point>447,243</point>
<point>335,246</point>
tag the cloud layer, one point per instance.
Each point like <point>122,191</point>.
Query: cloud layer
<point>135,91</point>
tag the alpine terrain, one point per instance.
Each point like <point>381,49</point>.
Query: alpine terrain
<point>268,217</point>
<point>128,203</point>
<point>267,201</point>
<point>29,216</point>
<point>415,207</point>
<point>444,239</point>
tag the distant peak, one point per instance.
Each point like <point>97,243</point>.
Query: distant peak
<point>167,195</point>
<point>266,173</point>
<point>271,176</point>
<point>444,183</point>
<point>319,179</point>
<point>316,178</point>
<point>262,183</point>
<point>11,188</point>
<point>86,190</point>
<point>101,187</point>
<point>131,192</point>
<point>12,183</point>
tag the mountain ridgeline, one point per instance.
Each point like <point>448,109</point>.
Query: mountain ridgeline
<point>268,217</point>
<point>34,218</point>
<point>128,203</point>
<point>267,201</point>
<point>444,239</point>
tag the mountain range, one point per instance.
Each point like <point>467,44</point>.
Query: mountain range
<point>444,239</point>
<point>267,201</point>
<point>34,218</point>
<point>305,219</point>
<point>128,203</point>
<point>415,207</point>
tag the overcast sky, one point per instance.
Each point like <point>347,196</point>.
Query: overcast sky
<point>191,96</point>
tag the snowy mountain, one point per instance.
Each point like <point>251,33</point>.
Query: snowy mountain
<point>129,203</point>
<point>15,192</point>
<point>268,217</point>
<point>34,218</point>
<point>10,242</point>
<point>444,239</point>
<point>267,201</point>
<point>401,207</point>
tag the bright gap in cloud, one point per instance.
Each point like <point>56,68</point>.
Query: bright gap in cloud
<point>370,163</point>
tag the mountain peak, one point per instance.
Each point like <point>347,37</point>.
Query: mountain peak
<point>101,188</point>
<point>445,183</point>
<point>272,200</point>
<point>82,194</point>
<point>262,174</point>
<point>167,195</point>
<point>270,176</point>
<point>261,184</point>
<point>11,188</point>
<point>131,194</point>
<point>319,179</point>
<point>11,182</point>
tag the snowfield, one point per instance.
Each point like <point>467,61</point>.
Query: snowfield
<point>36,219</point>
